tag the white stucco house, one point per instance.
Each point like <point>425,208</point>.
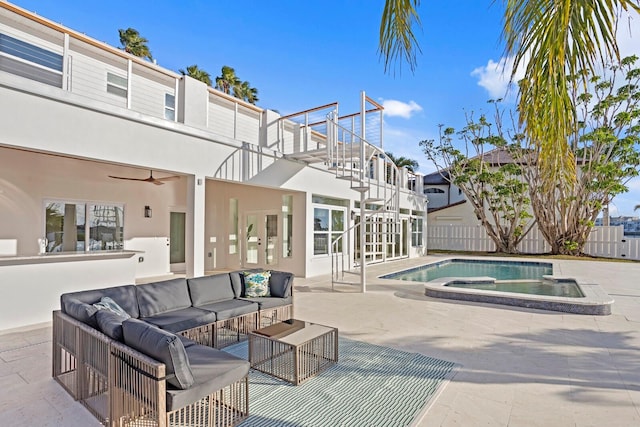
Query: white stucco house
<point>447,203</point>
<point>114,169</point>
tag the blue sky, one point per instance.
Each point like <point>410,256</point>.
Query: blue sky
<point>303,54</point>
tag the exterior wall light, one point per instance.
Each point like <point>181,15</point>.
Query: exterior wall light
<point>147,212</point>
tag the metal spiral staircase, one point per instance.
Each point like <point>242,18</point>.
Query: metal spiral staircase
<point>345,146</point>
<point>377,179</point>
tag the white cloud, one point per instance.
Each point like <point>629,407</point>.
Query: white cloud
<point>495,76</point>
<point>394,108</point>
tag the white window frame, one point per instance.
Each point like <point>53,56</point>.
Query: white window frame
<point>171,108</point>
<point>118,86</point>
<point>87,223</point>
<point>330,232</point>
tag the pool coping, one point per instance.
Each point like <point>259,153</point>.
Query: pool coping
<point>595,301</point>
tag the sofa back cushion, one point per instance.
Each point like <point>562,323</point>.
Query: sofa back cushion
<point>79,310</point>
<point>210,289</point>
<point>280,284</point>
<point>163,346</point>
<point>160,297</point>
<point>124,296</point>
<point>110,324</point>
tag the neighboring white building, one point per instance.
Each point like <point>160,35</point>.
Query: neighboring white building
<point>242,186</point>
<point>447,203</point>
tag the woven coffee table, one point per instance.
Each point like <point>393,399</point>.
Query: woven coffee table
<point>293,350</point>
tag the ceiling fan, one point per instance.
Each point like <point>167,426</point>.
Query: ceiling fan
<point>150,179</point>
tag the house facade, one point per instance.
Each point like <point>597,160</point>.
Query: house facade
<point>114,169</point>
<point>447,203</point>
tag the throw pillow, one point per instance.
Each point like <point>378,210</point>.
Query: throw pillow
<point>107,303</point>
<point>257,284</point>
<point>280,284</point>
<point>110,324</point>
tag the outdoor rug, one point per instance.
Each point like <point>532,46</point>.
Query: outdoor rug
<point>371,385</point>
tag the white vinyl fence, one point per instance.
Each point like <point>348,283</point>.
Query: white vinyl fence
<point>606,242</point>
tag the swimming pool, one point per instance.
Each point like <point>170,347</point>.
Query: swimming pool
<point>516,283</point>
<point>499,270</point>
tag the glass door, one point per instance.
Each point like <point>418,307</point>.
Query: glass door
<point>177,245</point>
<point>262,239</point>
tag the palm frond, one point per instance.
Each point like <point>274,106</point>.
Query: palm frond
<point>397,39</point>
<point>556,38</point>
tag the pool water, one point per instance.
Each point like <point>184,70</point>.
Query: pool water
<point>500,270</point>
<point>556,289</point>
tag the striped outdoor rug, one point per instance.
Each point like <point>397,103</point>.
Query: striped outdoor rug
<point>370,385</point>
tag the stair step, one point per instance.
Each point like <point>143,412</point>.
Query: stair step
<point>345,282</point>
<point>355,273</point>
<point>381,210</point>
<point>348,177</point>
<point>374,201</point>
<point>360,188</point>
<point>345,168</point>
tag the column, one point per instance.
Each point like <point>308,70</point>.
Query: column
<point>195,248</point>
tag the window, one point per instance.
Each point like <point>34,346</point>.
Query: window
<point>329,201</point>
<point>169,107</point>
<point>79,227</point>
<point>233,226</point>
<point>328,225</point>
<point>416,231</point>
<point>30,61</point>
<point>433,191</point>
<point>287,226</point>
<point>117,85</point>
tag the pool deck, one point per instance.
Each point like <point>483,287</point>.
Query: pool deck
<point>518,366</point>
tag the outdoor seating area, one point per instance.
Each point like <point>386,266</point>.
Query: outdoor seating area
<point>151,353</point>
<point>511,361</point>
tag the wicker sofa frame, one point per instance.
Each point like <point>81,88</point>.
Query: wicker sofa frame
<point>121,386</point>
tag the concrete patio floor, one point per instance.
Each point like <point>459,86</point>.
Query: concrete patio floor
<point>518,367</point>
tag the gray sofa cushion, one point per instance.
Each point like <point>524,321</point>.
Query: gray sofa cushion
<point>209,289</point>
<point>212,370</point>
<point>160,297</point>
<point>163,346</point>
<point>270,302</point>
<point>110,324</point>
<point>124,296</point>
<point>181,320</point>
<point>237,280</point>
<point>79,310</point>
<point>280,284</point>
<point>231,308</point>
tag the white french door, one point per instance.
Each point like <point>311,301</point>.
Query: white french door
<point>261,237</point>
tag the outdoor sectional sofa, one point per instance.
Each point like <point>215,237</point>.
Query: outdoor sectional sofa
<point>163,365</point>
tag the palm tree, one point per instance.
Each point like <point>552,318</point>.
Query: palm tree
<point>133,43</point>
<point>402,161</point>
<point>245,92</point>
<point>227,81</point>
<point>557,38</point>
<point>196,73</point>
